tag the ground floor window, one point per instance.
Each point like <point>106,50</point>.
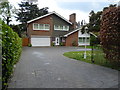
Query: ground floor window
<point>82,39</point>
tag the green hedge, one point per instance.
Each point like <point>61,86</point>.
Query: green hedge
<point>11,50</point>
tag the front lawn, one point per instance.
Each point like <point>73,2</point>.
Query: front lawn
<point>98,57</point>
<point>86,46</point>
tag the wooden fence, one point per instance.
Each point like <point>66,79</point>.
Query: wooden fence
<point>25,41</point>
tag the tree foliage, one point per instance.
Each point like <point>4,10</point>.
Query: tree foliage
<point>29,11</point>
<point>94,21</point>
<point>16,28</point>
<point>111,5</point>
<point>7,11</point>
<point>110,34</point>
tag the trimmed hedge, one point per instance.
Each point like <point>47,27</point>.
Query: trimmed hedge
<point>11,50</point>
<point>110,34</point>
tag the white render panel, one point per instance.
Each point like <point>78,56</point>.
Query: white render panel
<point>82,44</point>
<point>40,41</point>
<point>83,35</point>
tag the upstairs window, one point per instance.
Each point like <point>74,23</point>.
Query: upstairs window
<point>41,26</point>
<point>47,27</point>
<point>61,27</point>
<point>35,26</point>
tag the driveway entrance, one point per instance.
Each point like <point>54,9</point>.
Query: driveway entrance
<point>46,67</point>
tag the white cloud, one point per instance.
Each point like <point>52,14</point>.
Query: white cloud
<point>82,0</point>
<point>52,4</point>
<point>15,2</point>
<point>95,5</point>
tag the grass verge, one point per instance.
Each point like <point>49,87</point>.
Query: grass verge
<point>98,58</point>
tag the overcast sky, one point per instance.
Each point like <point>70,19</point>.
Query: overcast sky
<point>82,8</point>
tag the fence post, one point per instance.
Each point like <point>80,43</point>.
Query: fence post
<point>92,60</point>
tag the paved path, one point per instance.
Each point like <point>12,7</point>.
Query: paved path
<point>48,68</point>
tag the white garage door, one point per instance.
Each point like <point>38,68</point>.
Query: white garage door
<point>40,41</point>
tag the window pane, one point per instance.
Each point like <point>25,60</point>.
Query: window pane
<point>35,26</point>
<point>57,27</point>
<point>83,39</point>
<point>61,27</point>
<point>41,27</point>
<point>66,27</point>
<point>80,40</point>
<point>88,39</point>
<point>47,26</point>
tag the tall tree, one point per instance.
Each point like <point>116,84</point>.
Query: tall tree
<point>111,5</point>
<point>7,11</point>
<point>94,21</point>
<point>29,11</point>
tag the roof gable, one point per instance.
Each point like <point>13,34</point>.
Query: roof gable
<point>48,15</point>
<point>72,32</point>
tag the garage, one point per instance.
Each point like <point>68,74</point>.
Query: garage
<point>40,41</point>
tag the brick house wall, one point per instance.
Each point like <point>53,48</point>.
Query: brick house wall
<point>72,18</point>
<point>45,20</point>
<point>73,38</point>
<point>52,20</point>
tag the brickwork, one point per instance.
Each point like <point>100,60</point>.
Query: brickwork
<point>72,40</point>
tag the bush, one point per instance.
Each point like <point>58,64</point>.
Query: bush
<point>11,50</point>
<point>53,44</point>
<point>61,44</point>
<point>110,34</point>
<point>74,43</point>
<point>29,45</point>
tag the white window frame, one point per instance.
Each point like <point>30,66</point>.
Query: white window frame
<point>39,26</point>
<point>63,28</point>
<point>84,40</point>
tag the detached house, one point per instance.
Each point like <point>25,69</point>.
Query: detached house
<point>53,29</point>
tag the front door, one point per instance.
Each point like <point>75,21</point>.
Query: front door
<point>57,41</point>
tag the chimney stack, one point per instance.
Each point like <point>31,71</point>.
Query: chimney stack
<point>72,19</point>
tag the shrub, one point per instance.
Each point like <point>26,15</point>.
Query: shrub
<point>74,43</point>
<point>11,50</point>
<point>61,44</point>
<point>29,45</point>
<point>53,44</point>
<point>110,34</point>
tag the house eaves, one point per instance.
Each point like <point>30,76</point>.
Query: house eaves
<point>72,32</point>
<point>93,34</point>
<point>48,15</point>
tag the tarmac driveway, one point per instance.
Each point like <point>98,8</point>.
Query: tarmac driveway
<point>47,68</point>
